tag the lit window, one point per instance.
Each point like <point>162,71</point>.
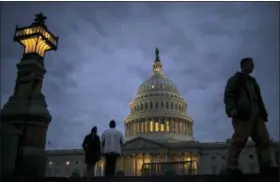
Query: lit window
<point>167,125</point>
<point>151,126</point>
<point>156,127</point>
<point>67,163</point>
<point>181,128</point>
<point>153,86</point>
<point>146,127</point>
<point>50,162</point>
<point>134,129</point>
<point>174,126</point>
<point>162,126</point>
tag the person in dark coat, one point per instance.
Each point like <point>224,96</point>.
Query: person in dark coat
<point>244,104</point>
<point>92,148</point>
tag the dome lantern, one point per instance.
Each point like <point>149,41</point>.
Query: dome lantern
<point>157,65</point>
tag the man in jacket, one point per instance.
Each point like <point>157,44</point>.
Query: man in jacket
<point>92,147</point>
<point>111,140</point>
<point>244,104</point>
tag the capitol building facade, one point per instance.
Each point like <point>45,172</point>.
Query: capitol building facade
<point>159,130</point>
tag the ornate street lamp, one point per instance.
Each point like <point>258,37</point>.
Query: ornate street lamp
<point>25,117</point>
<point>36,38</point>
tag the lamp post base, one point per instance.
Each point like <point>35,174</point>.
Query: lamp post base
<point>30,118</point>
<point>32,162</point>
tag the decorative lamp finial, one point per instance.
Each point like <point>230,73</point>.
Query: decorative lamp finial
<point>40,18</point>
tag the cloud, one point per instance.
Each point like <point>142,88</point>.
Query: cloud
<point>106,51</point>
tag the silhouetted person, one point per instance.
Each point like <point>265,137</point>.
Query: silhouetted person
<point>244,104</point>
<point>92,148</point>
<point>111,140</point>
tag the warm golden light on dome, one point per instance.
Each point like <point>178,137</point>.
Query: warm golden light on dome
<point>158,111</point>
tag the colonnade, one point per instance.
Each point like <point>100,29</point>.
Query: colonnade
<point>168,125</point>
<point>131,164</point>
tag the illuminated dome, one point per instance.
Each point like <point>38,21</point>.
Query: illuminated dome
<point>158,111</point>
<point>157,82</point>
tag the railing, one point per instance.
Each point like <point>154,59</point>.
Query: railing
<point>168,169</point>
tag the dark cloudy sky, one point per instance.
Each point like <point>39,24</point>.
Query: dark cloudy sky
<point>106,51</point>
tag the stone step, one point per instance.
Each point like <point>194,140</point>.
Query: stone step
<point>194,178</point>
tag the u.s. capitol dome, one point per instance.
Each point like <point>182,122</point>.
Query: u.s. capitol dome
<point>158,111</point>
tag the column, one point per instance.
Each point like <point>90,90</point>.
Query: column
<point>128,165</point>
<point>166,157</point>
<point>191,163</point>
<point>186,128</point>
<point>141,126</point>
<point>191,131</point>
<point>154,124</point>
<point>183,127</point>
<point>174,126</point>
<point>131,128</point>
<point>128,129</point>
<point>148,125</point>
<point>118,165</point>
<point>152,161</point>
<point>182,166</point>
<point>145,126</point>
<point>137,127</point>
<point>165,124</point>
<point>135,165</point>
<point>159,124</point>
<point>179,126</point>
<point>170,125</point>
